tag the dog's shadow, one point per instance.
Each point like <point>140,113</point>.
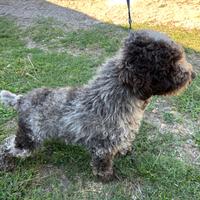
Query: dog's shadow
<point>73,161</point>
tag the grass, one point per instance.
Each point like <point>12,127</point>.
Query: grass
<point>45,30</point>
<point>101,36</point>
<point>171,118</point>
<point>58,171</point>
<point>189,102</point>
<point>168,117</point>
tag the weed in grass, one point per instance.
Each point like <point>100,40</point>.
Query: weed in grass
<point>168,117</point>
<point>197,137</point>
<point>172,118</point>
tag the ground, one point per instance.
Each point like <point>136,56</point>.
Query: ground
<point>44,44</point>
<point>184,13</point>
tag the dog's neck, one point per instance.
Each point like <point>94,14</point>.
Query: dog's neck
<point>106,91</point>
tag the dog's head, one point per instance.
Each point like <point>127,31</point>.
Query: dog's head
<point>153,64</point>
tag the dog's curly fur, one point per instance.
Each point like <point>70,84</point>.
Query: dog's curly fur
<point>105,114</point>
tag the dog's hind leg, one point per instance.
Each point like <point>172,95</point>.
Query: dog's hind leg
<point>20,145</point>
<point>9,151</point>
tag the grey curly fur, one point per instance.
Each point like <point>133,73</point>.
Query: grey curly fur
<point>105,114</point>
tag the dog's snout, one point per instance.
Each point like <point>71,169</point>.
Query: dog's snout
<point>193,75</point>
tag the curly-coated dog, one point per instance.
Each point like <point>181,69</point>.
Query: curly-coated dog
<point>105,114</point>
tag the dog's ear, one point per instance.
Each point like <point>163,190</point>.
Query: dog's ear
<point>138,81</point>
<point>169,74</point>
<point>136,65</point>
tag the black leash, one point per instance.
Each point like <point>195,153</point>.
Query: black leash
<point>129,14</point>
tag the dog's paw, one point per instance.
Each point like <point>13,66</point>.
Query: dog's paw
<point>106,176</point>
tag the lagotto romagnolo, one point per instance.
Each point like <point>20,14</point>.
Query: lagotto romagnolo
<point>104,115</point>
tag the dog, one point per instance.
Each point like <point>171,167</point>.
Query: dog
<point>104,115</point>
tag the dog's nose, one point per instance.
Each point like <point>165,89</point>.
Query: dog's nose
<point>193,75</point>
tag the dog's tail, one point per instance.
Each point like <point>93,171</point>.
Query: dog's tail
<point>9,99</point>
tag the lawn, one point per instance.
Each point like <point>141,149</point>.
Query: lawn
<point>153,171</point>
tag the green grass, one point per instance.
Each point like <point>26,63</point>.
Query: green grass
<point>168,117</point>
<point>45,30</point>
<point>101,36</point>
<point>171,118</point>
<point>57,171</point>
<point>189,101</point>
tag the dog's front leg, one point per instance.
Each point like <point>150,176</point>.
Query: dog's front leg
<point>102,165</point>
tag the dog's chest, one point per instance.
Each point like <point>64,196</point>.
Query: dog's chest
<point>129,126</point>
